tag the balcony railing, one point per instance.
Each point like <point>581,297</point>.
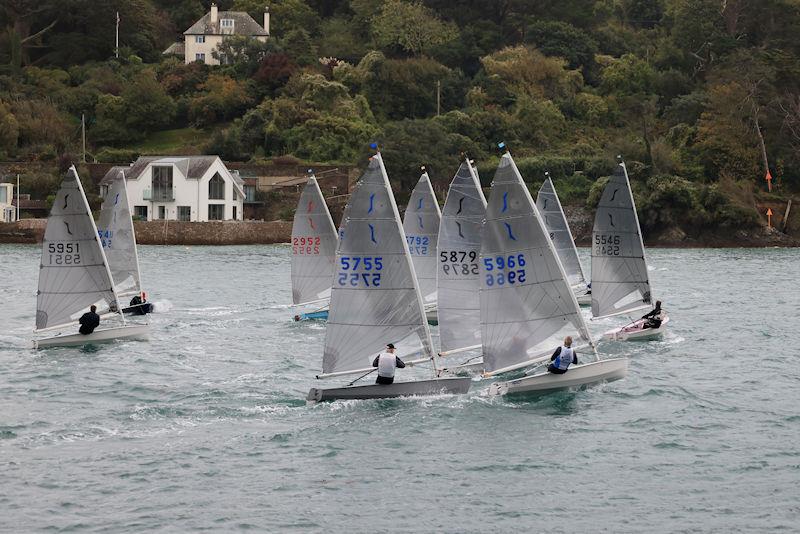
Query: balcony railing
<point>159,195</point>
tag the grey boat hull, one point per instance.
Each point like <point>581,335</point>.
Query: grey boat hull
<point>438,386</point>
<point>576,376</point>
<point>101,335</point>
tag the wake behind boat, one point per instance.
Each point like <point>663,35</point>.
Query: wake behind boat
<point>527,305</point>
<point>375,299</point>
<point>74,274</point>
<point>314,242</point>
<point>620,280</point>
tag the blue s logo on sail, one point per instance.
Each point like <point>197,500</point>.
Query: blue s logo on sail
<point>372,234</point>
<point>510,233</point>
<point>371,203</point>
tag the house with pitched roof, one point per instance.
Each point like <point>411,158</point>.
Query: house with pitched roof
<point>207,33</point>
<point>8,211</point>
<point>181,188</point>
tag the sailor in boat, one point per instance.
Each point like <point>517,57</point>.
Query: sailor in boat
<point>89,321</point>
<point>654,318</point>
<point>387,362</point>
<point>140,304</point>
<point>563,357</point>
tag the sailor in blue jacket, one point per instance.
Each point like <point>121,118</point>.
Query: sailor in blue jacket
<point>563,357</point>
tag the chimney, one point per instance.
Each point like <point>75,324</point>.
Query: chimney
<point>214,13</point>
<point>266,19</point>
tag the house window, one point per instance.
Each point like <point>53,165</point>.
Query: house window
<point>162,212</point>
<point>250,193</point>
<point>162,184</point>
<point>200,57</point>
<point>140,212</point>
<point>3,195</point>
<point>226,23</point>
<point>184,213</point>
<point>216,212</point>
<point>234,213</point>
<point>199,39</point>
<point>216,188</point>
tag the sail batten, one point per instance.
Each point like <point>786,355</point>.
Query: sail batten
<point>459,246</point>
<point>421,226</point>
<point>555,221</point>
<point>375,298</point>
<point>73,271</point>
<point>620,281</point>
<point>527,305</point>
<point>314,242</point>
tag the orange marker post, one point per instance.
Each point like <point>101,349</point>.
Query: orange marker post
<point>769,217</point>
<point>768,178</point>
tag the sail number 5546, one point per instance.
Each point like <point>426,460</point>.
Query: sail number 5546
<point>361,271</point>
<point>606,245</point>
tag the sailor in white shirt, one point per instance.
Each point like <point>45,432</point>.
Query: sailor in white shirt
<point>387,362</point>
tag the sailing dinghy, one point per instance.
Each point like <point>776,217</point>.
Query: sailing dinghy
<point>376,300</point>
<point>620,281</point>
<point>314,241</point>
<point>458,278</point>
<point>527,305</point>
<point>421,226</point>
<point>74,274</point>
<point>555,221</point>
<point>118,239</point>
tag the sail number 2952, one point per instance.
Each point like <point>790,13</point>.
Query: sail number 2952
<point>305,244</point>
<point>360,271</point>
<point>606,245</point>
<point>501,270</point>
<point>64,253</point>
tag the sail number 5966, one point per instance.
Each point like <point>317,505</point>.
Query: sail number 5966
<point>501,270</point>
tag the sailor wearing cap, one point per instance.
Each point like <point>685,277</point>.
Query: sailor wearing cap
<point>387,362</point>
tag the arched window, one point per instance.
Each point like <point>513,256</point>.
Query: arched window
<point>216,188</point>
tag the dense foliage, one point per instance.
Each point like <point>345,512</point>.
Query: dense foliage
<point>695,94</point>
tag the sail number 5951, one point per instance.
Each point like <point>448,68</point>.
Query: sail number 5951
<point>360,271</point>
<point>64,253</point>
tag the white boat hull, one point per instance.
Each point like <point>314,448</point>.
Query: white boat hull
<point>466,369</point>
<point>584,300</point>
<point>105,335</point>
<point>576,376</point>
<point>432,314</point>
<point>438,386</point>
<point>635,332</point>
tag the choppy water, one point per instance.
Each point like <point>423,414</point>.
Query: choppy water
<point>206,428</point>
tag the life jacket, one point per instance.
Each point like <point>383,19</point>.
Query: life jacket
<point>386,365</point>
<point>564,359</point>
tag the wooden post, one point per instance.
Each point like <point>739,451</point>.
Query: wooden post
<point>785,225</point>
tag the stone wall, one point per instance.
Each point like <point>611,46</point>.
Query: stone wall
<point>172,232</point>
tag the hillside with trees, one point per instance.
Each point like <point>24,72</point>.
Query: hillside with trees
<point>701,97</point>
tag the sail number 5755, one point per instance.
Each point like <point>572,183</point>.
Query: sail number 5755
<point>360,271</point>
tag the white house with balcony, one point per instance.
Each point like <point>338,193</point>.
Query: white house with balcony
<point>8,211</point>
<point>207,33</point>
<point>181,188</point>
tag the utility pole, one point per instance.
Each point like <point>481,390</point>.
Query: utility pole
<point>116,44</point>
<point>438,97</point>
<point>83,135</point>
<point>18,196</point>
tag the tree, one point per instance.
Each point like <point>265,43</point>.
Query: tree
<point>221,98</point>
<point>410,27</point>
<point>9,130</point>
<point>526,71</point>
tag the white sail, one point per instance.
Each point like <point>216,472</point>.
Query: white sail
<point>555,221</point>
<point>73,272</point>
<point>527,306</point>
<point>421,226</point>
<point>459,249</point>
<point>314,242</point>
<point>620,282</point>
<point>118,239</point>
<point>375,298</point>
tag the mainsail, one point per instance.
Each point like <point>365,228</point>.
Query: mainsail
<point>421,226</point>
<point>73,273</point>
<point>118,239</point>
<point>314,242</point>
<point>527,306</point>
<point>375,298</point>
<point>620,282</point>
<point>555,221</point>
<point>458,278</point>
